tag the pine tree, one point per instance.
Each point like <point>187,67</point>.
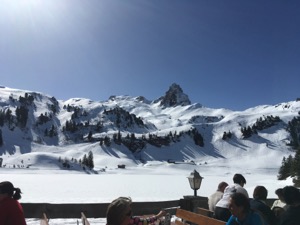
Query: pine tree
<point>286,168</point>
<point>90,136</point>
<point>296,165</point>
<point>2,118</point>
<point>229,134</point>
<point>119,137</point>
<point>107,141</point>
<point>84,160</point>
<point>22,115</point>
<point>132,137</point>
<point>52,131</point>
<point>224,135</point>
<point>198,139</point>
<point>282,173</point>
<point>90,160</point>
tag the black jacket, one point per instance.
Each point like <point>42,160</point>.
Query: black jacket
<point>291,216</point>
<point>264,210</point>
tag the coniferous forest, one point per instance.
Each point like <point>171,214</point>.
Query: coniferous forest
<point>290,166</point>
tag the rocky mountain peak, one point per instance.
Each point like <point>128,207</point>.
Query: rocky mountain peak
<point>174,97</point>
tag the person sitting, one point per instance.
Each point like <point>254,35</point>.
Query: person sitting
<point>258,203</point>
<point>11,211</point>
<point>119,213</point>
<point>291,197</point>
<point>239,206</point>
<point>279,205</point>
<point>215,197</point>
<point>222,211</point>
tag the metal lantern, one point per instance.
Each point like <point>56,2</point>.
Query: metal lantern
<point>195,181</point>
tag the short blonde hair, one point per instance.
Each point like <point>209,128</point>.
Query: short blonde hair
<point>116,210</point>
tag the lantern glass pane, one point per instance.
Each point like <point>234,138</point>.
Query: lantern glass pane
<point>191,180</point>
<point>197,183</point>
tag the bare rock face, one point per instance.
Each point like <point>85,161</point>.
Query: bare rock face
<point>174,97</point>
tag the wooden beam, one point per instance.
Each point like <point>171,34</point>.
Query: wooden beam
<point>197,218</point>
<point>205,212</point>
<point>91,210</point>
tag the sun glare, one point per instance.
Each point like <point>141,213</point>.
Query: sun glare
<point>34,12</point>
<point>33,6</point>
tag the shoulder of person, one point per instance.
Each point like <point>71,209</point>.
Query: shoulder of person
<point>242,190</point>
<point>230,188</point>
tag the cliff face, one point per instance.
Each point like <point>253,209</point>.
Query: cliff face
<point>174,97</point>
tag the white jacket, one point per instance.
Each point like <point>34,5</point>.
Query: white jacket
<point>213,200</point>
<point>229,190</point>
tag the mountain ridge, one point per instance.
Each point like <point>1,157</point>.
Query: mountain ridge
<point>166,129</point>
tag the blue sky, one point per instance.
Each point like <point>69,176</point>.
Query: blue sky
<point>224,54</point>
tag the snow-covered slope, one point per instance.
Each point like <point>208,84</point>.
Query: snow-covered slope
<point>57,130</point>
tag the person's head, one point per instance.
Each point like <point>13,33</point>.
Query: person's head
<point>260,193</point>
<point>119,211</point>
<point>278,192</point>
<point>222,186</point>
<point>8,189</point>
<point>239,205</point>
<point>239,179</point>
<point>291,195</point>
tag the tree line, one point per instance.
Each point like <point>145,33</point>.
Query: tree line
<point>290,166</point>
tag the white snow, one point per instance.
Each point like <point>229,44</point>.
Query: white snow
<point>152,182</point>
<point>258,158</point>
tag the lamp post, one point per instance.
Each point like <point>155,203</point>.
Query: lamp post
<point>195,181</point>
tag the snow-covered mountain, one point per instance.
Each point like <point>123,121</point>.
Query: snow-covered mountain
<point>38,130</point>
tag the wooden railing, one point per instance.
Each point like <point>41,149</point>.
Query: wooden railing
<point>91,210</point>
<point>98,210</point>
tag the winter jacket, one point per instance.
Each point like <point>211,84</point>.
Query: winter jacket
<point>213,200</point>
<point>265,211</point>
<point>252,218</point>
<point>11,212</point>
<point>291,216</point>
<point>229,190</point>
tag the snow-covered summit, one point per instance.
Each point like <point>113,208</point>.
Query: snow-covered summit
<point>37,129</point>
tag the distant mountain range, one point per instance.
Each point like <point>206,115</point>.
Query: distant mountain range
<point>37,129</point>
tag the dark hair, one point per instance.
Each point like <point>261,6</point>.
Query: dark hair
<point>8,188</point>
<point>291,195</point>
<point>116,211</point>
<point>238,178</point>
<point>241,200</point>
<point>222,186</point>
<point>278,192</point>
<point>260,192</point>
